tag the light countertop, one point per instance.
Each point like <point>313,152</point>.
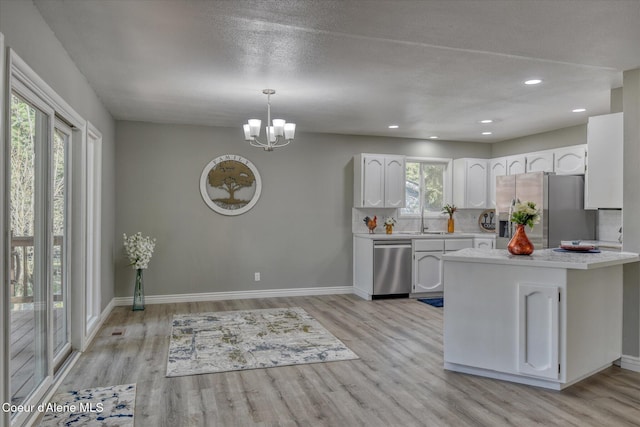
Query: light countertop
<point>415,235</point>
<point>543,258</point>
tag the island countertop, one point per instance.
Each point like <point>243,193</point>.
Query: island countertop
<point>543,258</point>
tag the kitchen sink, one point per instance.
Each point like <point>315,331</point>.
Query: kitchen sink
<point>417,233</point>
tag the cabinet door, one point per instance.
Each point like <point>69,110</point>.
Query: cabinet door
<point>427,272</point>
<point>603,180</point>
<point>373,181</point>
<point>540,162</point>
<point>394,182</point>
<point>480,243</point>
<point>470,183</point>
<point>476,192</point>
<point>538,327</point>
<point>570,160</point>
<point>516,165</point>
<point>497,167</point>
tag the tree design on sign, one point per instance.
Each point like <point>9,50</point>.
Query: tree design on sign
<point>231,176</point>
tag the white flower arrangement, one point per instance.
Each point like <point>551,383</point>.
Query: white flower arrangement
<point>390,221</point>
<point>139,249</point>
<point>526,213</point>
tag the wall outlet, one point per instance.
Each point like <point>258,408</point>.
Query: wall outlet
<point>256,276</point>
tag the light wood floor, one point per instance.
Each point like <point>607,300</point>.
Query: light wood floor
<point>398,380</point>
<point>22,350</point>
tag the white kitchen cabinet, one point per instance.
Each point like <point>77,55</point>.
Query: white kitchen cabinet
<point>379,181</point>
<point>427,272</point>
<point>427,262</point>
<point>570,160</point>
<point>497,167</point>
<point>541,161</point>
<point>528,322</point>
<point>603,180</point>
<point>516,164</point>
<point>394,182</point>
<point>427,265</point>
<point>538,329</point>
<point>470,183</point>
<point>484,242</point>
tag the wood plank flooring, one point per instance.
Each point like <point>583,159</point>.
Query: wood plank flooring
<point>22,363</point>
<point>398,380</point>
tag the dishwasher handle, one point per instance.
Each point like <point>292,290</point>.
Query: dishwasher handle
<point>395,244</point>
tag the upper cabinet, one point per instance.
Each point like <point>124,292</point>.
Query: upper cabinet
<point>379,181</point>
<point>394,182</point>
<point>497,167</point>
<point>470,183</point>
<point>603,181</point>
<point>516,164</point>
<point>541,161</point>
<point>570,160</point>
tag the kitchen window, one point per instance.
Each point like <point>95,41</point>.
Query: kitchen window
<point>428,186</point>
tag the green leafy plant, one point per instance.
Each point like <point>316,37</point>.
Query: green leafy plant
<point>449,209</point>
<point>525,213</point>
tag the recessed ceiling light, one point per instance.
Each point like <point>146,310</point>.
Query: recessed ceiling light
<point>393,126</point>
<point>487,133</point>
<point>579,110</point>
<point>486,121</point>
<point>434,137</point>
<point>533,82</point>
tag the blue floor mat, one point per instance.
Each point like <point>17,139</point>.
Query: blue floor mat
<point>436,302</point>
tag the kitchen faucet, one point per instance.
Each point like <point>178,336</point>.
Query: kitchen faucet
<point>422,227</point>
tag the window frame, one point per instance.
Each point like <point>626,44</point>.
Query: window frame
<point>447,191</point>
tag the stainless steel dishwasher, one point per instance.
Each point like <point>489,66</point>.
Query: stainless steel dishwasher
<point>392,268</point>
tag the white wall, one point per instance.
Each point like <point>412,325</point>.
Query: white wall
<point>27,33</point>
<point>297,236</point>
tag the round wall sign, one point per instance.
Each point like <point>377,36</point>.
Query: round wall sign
<point>230,184</point>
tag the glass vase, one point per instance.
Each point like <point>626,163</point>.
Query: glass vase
<point>138,292</point>
<point>451,226</point>
<point>388,228</point>
<point>520,243</point>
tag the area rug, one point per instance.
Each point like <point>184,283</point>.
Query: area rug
<point>94,407</point>
<point>436,302</point>
<point>235,340</point>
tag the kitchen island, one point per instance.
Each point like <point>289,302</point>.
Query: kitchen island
<point>549,319</point>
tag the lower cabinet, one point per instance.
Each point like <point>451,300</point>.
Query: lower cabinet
<point>427,267</point>
<point>427,262</point>
<point>484,243</point>
<point>538,330</point>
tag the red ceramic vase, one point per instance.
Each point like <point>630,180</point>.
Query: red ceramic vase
<point>520,243</point>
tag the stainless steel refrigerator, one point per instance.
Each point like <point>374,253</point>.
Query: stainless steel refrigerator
<point>560,199</point>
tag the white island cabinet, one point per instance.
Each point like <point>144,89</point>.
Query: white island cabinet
<point>548,320</point>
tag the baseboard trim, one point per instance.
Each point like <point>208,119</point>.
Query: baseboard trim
<point>94,331</point>
<point>220,296</point>
<point>631,363</point>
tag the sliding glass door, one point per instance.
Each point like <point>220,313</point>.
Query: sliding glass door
<point>39,313</point>
<point>60,213</point>
<point>30,248</point>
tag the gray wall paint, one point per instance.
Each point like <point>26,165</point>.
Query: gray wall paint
<point>298,235</point>
<point>564,137</point>
<point>616,100</point>
<point>28,34</point>
<point>631,203</point>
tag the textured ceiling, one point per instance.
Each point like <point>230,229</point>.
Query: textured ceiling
<point>433,67</point>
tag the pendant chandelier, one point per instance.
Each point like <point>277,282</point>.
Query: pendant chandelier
<point>278,133</point>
